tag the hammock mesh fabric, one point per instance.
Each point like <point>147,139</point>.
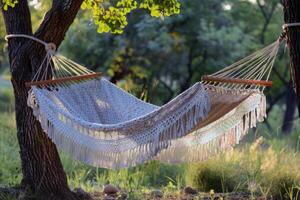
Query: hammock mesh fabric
<point>100,124</point>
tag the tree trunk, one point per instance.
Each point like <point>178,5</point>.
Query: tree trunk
<point>290,109</point>
<point>292,15</point>
<point>42,170</point>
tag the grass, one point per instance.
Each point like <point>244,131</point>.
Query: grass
<point>10,168</point>
<point>257,169</point>
<point>135,181</point>
<point>6,95</point>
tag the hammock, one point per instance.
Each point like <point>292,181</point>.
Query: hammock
<point>102,125</point>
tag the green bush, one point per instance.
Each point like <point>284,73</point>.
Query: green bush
<point>214,175</point>
<point>256,169</point>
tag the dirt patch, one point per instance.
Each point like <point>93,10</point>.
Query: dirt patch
<point>200,196</point>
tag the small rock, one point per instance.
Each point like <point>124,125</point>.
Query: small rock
<point>157,194</point>
<point>110,190</point>
<point>190,190</point>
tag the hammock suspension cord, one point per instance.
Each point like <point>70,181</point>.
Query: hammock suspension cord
<point>56,66</point>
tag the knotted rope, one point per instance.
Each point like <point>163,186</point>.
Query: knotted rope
<point>49,47</point>
<point>60,67</point>
<point>285,29</point>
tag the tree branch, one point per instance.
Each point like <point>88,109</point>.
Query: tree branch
<point>189,66</point>
<point>171,92</point>
<point>275,100</point>
<point>268,16</point>
<point>281,78</point>
<point>262,9</point>
<point>57,20</point>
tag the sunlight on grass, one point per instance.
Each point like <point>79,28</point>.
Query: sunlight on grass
<point>268,167</point>
<point>10,167</point>
<point>255,168</point>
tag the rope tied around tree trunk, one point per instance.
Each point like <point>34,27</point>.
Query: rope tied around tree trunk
<point>68,72</point>
<point>285,26</point>
<point>285,29</point>
<point>49,47</point>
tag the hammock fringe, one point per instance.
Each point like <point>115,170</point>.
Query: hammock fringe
<point>232,131</point>
<point>182,122</point>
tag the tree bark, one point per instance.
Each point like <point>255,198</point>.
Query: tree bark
<point>290,109</point>
<point>42,170</point>
<point>292,15</point>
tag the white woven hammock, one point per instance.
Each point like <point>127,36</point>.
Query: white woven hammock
<point>102,125</point>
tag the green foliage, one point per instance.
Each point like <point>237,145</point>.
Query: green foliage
<point>159,8</point>
<point>9,3</point>
<point>113,18</point>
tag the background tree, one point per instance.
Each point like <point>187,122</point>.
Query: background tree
<point>292,15</point>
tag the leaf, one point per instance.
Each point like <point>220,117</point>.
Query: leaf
<point>112,17</point>
<point>5,7</point>
<point>83,6</point>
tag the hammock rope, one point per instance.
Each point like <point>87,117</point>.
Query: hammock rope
<point>257,66</point>
<point>100,124</point>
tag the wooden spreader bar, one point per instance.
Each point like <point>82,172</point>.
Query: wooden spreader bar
<point>237,81</point>
<point>63,80</point>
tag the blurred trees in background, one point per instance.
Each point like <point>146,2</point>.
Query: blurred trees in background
<point>158,58</point>
<point>175,52</point>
